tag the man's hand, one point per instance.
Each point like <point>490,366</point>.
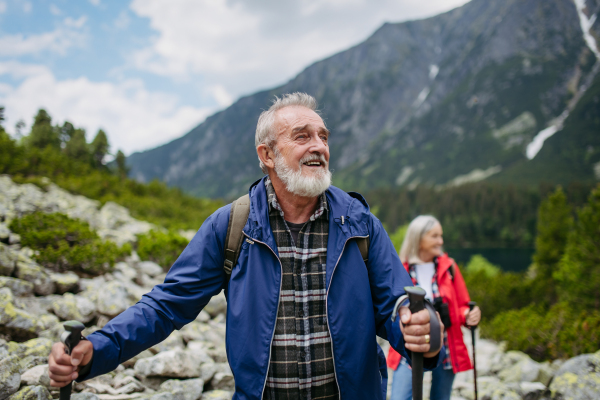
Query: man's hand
<point>474,316</point>
<point>64,368</point>
<point>415,327</point>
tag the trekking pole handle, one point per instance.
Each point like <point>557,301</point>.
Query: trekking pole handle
<point>472,305</point>
<point>70,338</point>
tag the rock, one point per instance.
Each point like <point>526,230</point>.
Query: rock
<point>217,305</point>
<point>8,260</point>
<point>546,373</point>
<point>173,341</point>
<point>194,331</point>
<point>532,390</point>
<point>152,382</point>
<point>217,395</point>
<point>35,274</point>
<point>131,362</point>
<point>223,381</point>
<point>15,322</point>
<point>113,222</point>
<point>32,393</point>
<point>14,238</point>
<point>124,271</point>
<point>189,389</point>
<point>203,316</point>
<point>208,371</point>
<point>10,378</point>
<point>578,378</point>
<point>165,396</point>
<point>4,232</point>
<point>30,362</point>
<point>150,268</point>
<point>113,299</point>
<point>39,347</point>
<point>36,376</point>
<point>67,282</point>
<point>173,363</point>
<point>519,368</point>
<point>127,384</point>
<point>19,287</point>
<point>73,307</point>
<point>84,396</point>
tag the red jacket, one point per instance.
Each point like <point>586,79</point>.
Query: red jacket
<point>454,292</point>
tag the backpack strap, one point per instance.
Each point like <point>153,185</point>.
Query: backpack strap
<point>240,209</point>
<point>363,246</point>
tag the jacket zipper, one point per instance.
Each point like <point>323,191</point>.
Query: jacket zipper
<point>277,312</point>
<point>327,309</point>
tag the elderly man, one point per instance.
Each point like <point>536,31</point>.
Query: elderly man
<point>303,308</point>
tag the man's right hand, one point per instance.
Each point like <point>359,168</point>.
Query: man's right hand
<point>64,368</point>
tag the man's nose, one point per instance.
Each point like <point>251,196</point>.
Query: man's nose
<point>318,145</point>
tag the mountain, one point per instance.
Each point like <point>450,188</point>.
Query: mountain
<point>455,98</point>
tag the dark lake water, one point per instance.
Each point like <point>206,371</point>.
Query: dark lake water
<point>507,259</point>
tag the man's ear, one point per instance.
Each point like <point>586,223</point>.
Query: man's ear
<point>266,155</point>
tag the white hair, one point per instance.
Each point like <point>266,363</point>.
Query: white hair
<point>298,184</point>
<point>265,132</point>
<point>409,251</point>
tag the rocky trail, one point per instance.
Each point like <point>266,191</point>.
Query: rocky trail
<point>191,364</point>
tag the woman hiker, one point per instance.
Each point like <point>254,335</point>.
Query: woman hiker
<point>429,267</point>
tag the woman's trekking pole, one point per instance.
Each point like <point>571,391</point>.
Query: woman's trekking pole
<point>70,338</point>
<point>472,305</point>
<point>416,296</point>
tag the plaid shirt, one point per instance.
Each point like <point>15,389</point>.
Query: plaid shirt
<point>412,270</point>
<point>301,365</point>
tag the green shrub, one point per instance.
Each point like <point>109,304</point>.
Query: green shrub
<point>66,244</point>
<point>563,331</point>
<point>496,291</point>
<point>161,247</point>
<point>398,236</point>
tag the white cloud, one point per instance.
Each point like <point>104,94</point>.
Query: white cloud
<point>2,7</point>
<point>133,117</point>
<point>54,10</point>
<point>56,41</point>
<point>252,44</point>
<point>95,2</point>
<point>27,7</point>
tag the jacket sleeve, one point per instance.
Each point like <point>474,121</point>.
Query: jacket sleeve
<point>194,278</point>
<point>462,295</point>
<point>388,278</point>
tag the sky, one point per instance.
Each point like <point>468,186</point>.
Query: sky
<point>148,71</point>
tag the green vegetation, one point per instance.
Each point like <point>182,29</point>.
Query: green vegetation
<point>161,247</point>
<point>62,154</point>
<point>66,244</point>
<point>552,310</point>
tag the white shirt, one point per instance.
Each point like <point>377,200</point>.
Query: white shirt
<point>424,277</point>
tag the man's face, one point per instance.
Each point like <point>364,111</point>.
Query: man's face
<point>302,151</point>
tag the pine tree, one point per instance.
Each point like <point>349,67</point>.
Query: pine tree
<point>553,226</point>
<point>121,161</point>
<point>578,274</point>
<point>77,147</point>
<point>43,134</point>
<point>99,149</point>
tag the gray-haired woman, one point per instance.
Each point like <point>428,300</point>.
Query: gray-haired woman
<point>429,267</point>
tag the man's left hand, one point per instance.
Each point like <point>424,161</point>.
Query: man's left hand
<point>416,331</point>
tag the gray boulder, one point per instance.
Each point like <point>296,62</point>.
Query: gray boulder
<point>217,395</point>
<point>173,364</point>
<point>223,378</point>
<point>84,396</point>
<point>519,367</point>
<point>73,307</point>
<point>10,378</point>
<point>36,376</point>
<point>173,341</point>
<point>13,321</point>
<point>149,268</point>
<point>217,305</point>
<point>112,299</point>
<point>578,378</point>
<point>8,260</point>
<point>67,282</point>
<point>39,347</point>
<point>35,274</point>
<point>189,389</point>
<point>32,393</point>
<point>19,287</point>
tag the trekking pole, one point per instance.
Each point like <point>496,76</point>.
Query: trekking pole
<point>416,296</point>
<point>472,305</point>
<point>70,338</point>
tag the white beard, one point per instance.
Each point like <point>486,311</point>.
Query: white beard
<point>295,182</point>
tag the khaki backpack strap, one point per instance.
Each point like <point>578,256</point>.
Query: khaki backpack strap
<point>240,209</point>
<point>363,246</point>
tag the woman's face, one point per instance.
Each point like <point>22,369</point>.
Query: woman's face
<point>431,244</point>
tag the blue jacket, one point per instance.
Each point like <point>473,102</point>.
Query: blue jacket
<point>359,300</point>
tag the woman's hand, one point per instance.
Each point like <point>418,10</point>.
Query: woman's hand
<point>473,316</point>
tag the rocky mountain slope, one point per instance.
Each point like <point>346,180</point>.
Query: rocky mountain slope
<point>191,364</point>
<point>463,96</point>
